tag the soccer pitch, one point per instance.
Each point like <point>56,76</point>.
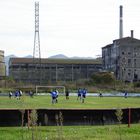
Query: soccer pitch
<point>44,102</point>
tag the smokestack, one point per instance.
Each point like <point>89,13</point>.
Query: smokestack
<point>132,34</point>
<point>121,22</point>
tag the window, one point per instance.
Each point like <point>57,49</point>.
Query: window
<point>135,54</point>
<point>129,62</point>
<point>135,76</point>
<point>135,62</point>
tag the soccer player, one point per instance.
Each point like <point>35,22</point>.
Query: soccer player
<point>79,93</point>
<point>100,95</point>
<point>84,92</point>
<point>57,93</point>
<point>67,94</point>
<point>17,96</point>
<point>10,94</point>
<point>125,94</point>
<point>53,94</point>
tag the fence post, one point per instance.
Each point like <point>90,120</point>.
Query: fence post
<point>129,117</point>
<point>28,116</point>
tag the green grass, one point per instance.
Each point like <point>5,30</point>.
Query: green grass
<point>111,132</point>
<point>73,133</point>
<point>39,102</point>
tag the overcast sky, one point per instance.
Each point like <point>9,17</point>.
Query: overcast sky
<point>69,27</point>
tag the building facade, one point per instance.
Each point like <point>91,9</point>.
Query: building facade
<point>2,65</point>
<point>122,57</point>
<point>52,70</point>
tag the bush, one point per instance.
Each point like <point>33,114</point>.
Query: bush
<point>137,84</point>
<point>103,78</point>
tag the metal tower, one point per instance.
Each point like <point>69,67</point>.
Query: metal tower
<point>36,51</point>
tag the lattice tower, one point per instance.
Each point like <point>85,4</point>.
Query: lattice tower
<point>36,50</point>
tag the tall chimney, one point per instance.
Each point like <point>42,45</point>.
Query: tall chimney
<point>132,34</point>
<point>121,22</point>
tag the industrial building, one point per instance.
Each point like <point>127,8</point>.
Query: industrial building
<point>2,65</point>
<point>52,70</point>
<point>123,58</point>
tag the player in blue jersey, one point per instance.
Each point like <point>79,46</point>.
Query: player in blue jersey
<point>125,94</point>
<point>79,92</point>
<point>83,95</point>
<point>54,96</point>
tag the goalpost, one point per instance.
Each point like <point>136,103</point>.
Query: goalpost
<point>61,89</point>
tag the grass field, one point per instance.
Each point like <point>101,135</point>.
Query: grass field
<point>38,102</point>
<point>73,133</point>
<point>109,132</point>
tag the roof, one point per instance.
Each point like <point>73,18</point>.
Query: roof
<point>126,39</point>
<point>107,46</point>
<point>123,40</point>
<point>55,61</point>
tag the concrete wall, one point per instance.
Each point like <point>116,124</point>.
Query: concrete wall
<point>53,72</point>
<point>70,116</point>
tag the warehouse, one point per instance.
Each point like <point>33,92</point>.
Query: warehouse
<point>52,70</point>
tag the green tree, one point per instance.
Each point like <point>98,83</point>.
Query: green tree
<point>103,78</point>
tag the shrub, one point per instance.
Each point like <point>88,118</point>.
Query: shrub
<point>137,84</point>
<point>103,78</point>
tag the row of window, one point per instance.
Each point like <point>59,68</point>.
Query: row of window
<point>54,67</point>
<point>130,53</point>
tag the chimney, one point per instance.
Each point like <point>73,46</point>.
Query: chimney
<point>121,22</point>
<point>132,34</point>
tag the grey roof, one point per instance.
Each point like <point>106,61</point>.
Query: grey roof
<point>55,61</point>
<point>123,40</point>
<point>107,46</point>
<point>126,39</point>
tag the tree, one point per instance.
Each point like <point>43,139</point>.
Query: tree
<point>103,78</point>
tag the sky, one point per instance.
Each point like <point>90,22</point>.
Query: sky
<point>70,27</point>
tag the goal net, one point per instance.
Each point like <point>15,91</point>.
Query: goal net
<point>42,90</point>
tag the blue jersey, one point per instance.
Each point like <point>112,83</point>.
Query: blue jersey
<point>84,92</point>
<point>54,94</point>
<point>16,93</point>
<point>79,91</point>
